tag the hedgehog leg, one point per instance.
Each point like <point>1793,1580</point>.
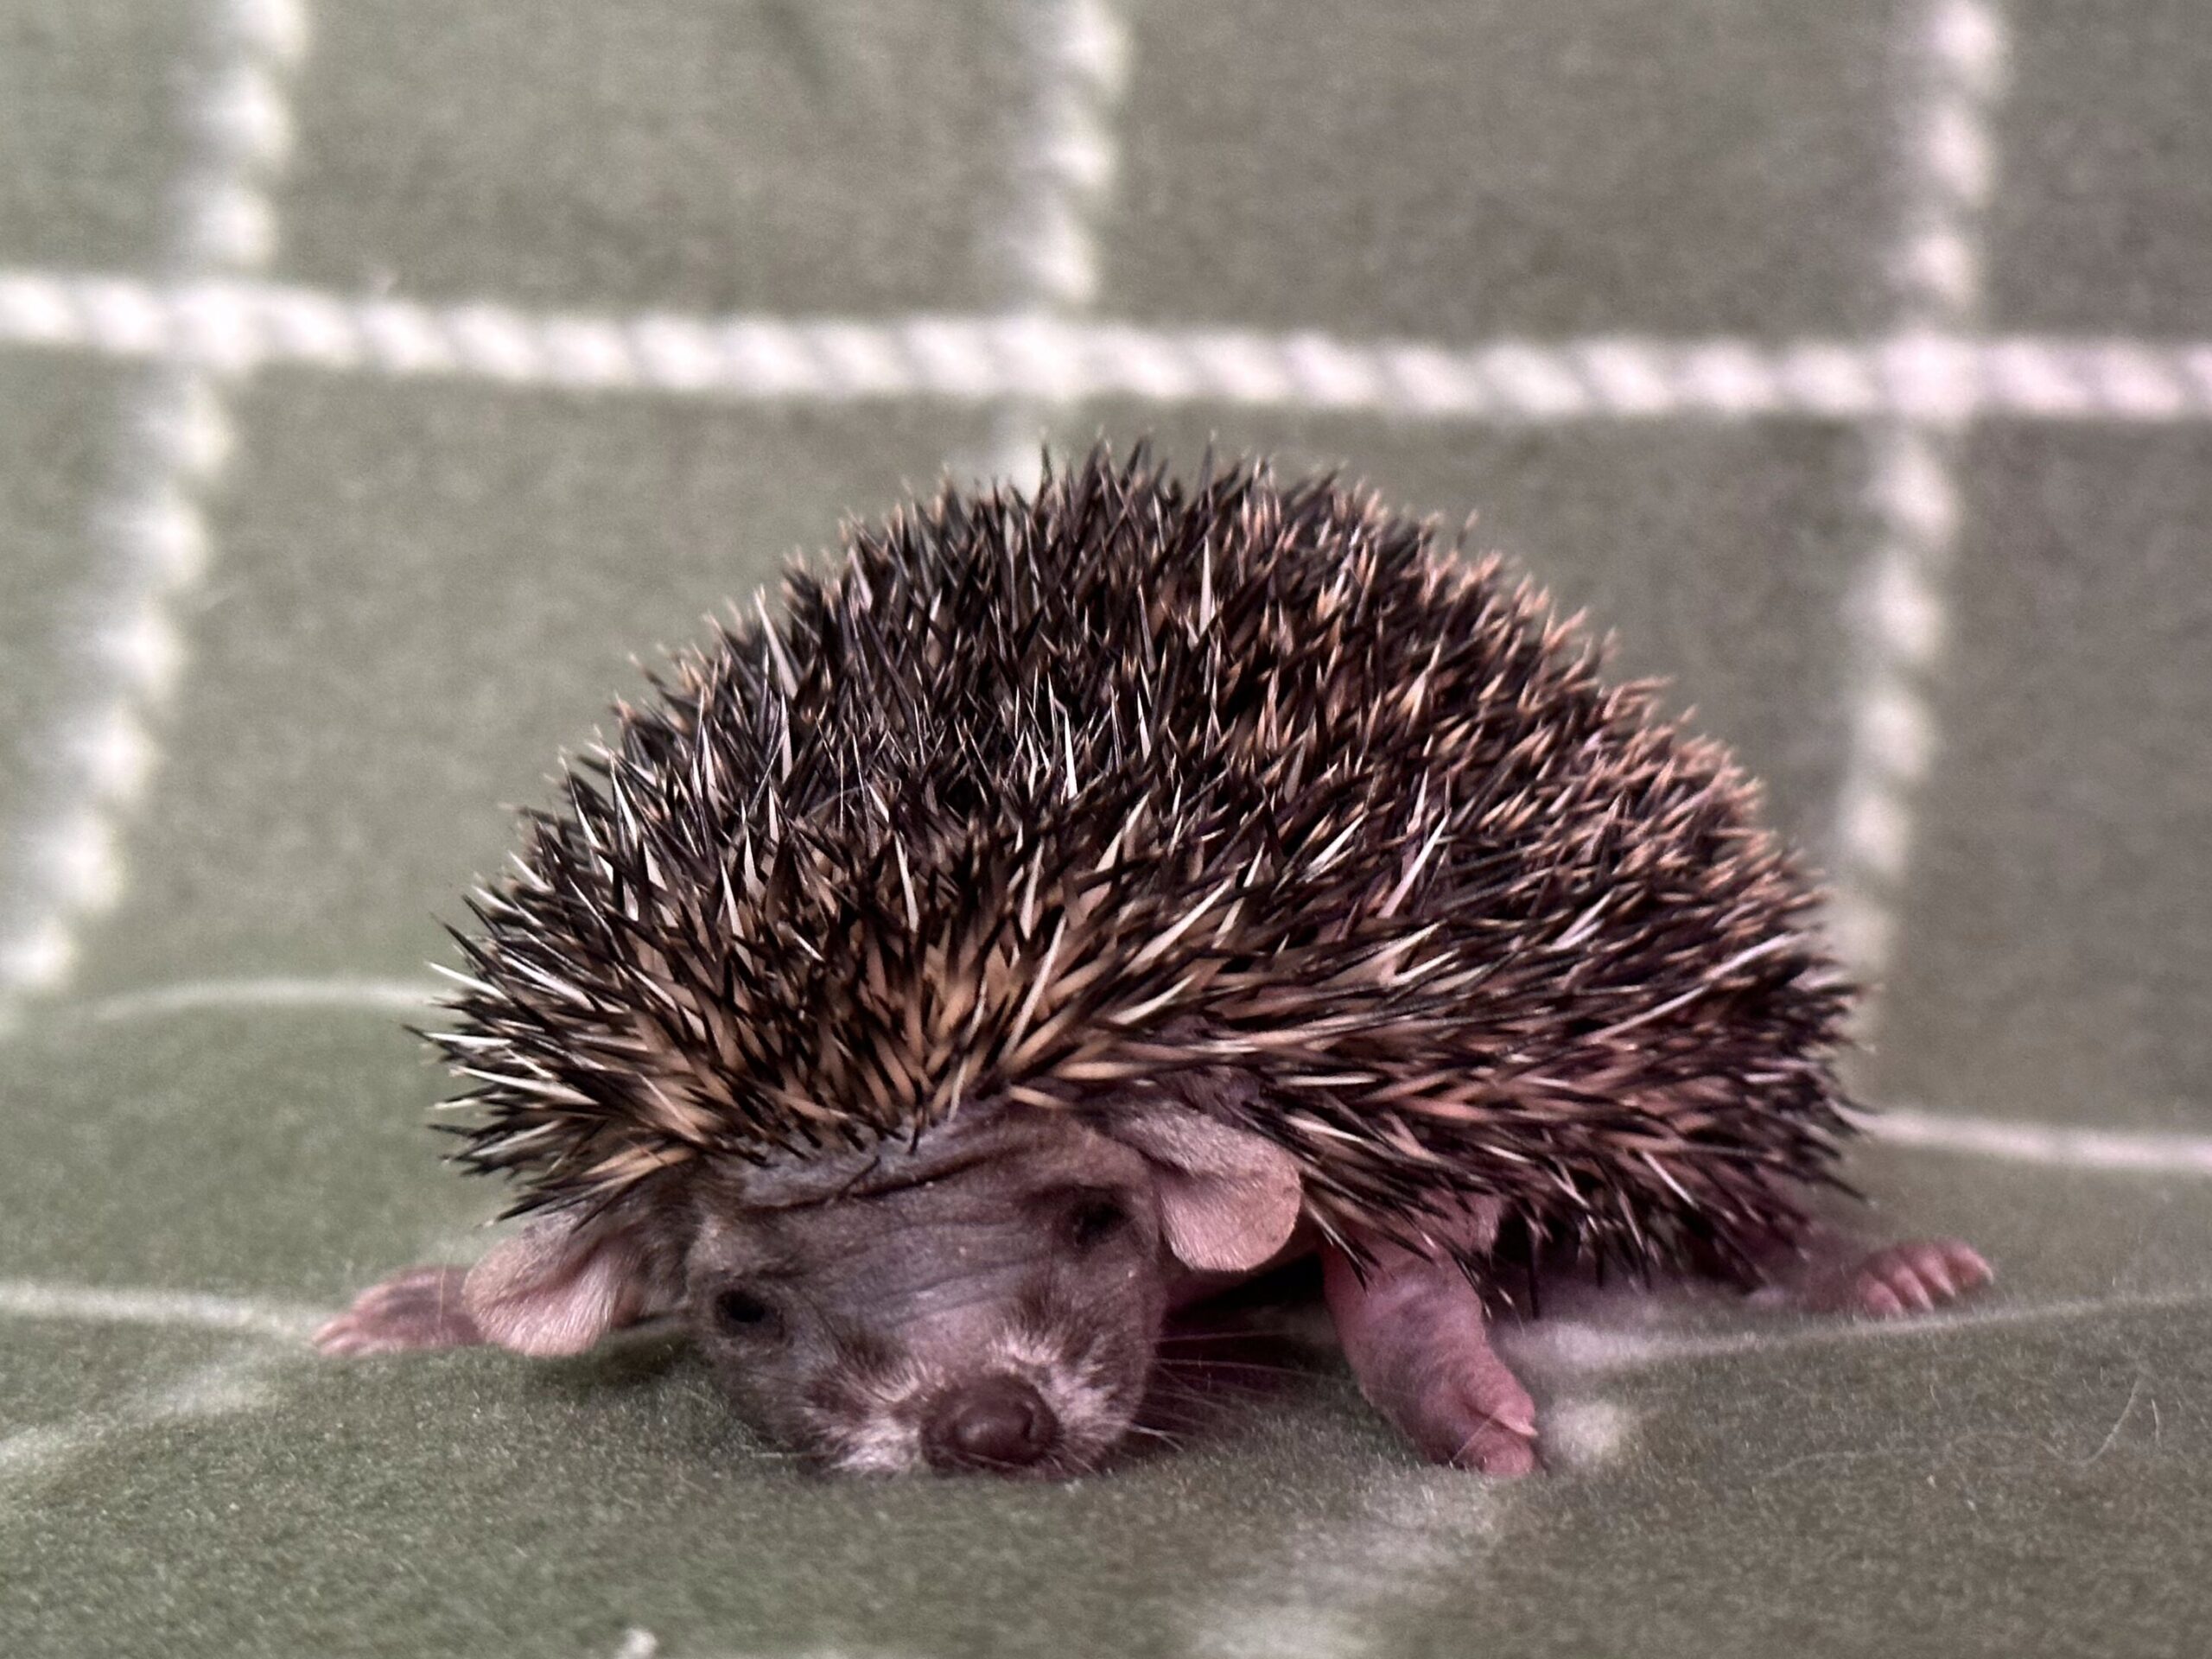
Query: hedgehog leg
<point>1415,1333</point>
<point>419,1308</point>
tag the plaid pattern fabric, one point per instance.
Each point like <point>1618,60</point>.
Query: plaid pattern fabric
<point>377,378</point>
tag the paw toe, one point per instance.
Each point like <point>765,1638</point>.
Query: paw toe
<point>1875,1297</point>
<point>344,1336</point>
<point>1910,1285</point>
<point>1501,1453</point>
<point>1969,1270</point>
<point>1486,1422</point>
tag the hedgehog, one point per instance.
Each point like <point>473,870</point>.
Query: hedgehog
<point>1079,900</point>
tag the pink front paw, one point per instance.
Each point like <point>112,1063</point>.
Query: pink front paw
<point>419,1308</point>
<point>1915,1278</point>
<point>1415,1334</point>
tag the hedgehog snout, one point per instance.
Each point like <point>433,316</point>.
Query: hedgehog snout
<point>997,1422</point>
<point>993,1389</point>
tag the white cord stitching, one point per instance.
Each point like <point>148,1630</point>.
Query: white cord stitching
<point>977,359</point>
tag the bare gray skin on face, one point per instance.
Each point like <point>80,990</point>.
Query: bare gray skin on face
<point>992,1299</point>
<point>1000,1314</point>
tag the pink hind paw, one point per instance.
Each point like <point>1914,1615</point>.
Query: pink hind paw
<point>419,1308</point>
<point>1917,1277</point>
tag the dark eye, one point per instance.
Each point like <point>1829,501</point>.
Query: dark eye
<point>1093,1219</point>
<point>742,1311</point>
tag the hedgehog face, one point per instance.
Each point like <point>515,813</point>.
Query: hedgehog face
<point>992,1305</point>
<point>988,1295</point>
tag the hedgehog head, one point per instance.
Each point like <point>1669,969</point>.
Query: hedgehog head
<point>987,1295</point>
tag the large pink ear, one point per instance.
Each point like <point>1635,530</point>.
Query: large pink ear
<point>557,1287</point>
<point>1229,1199</point>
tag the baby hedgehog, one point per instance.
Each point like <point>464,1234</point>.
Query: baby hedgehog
<point>1076,903</point>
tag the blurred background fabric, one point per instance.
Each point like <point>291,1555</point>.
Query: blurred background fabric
<point>378,378</point>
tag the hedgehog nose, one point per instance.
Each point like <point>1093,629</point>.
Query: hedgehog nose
<point>998,1422</point>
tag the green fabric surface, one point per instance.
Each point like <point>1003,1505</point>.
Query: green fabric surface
<point>88,130</point>
<point>282,1154</point>
<point>1452,168</point>
<point>2067,841</point>
<point>419,592</point>
<point>2104,219</point>
<point>50,420</point>
<point>787,155</point>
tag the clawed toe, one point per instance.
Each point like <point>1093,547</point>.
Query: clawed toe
<point>1501,1451</point>
<point>346,1336</point>
<point>1485,1420</point>
<point>349,1335</point>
